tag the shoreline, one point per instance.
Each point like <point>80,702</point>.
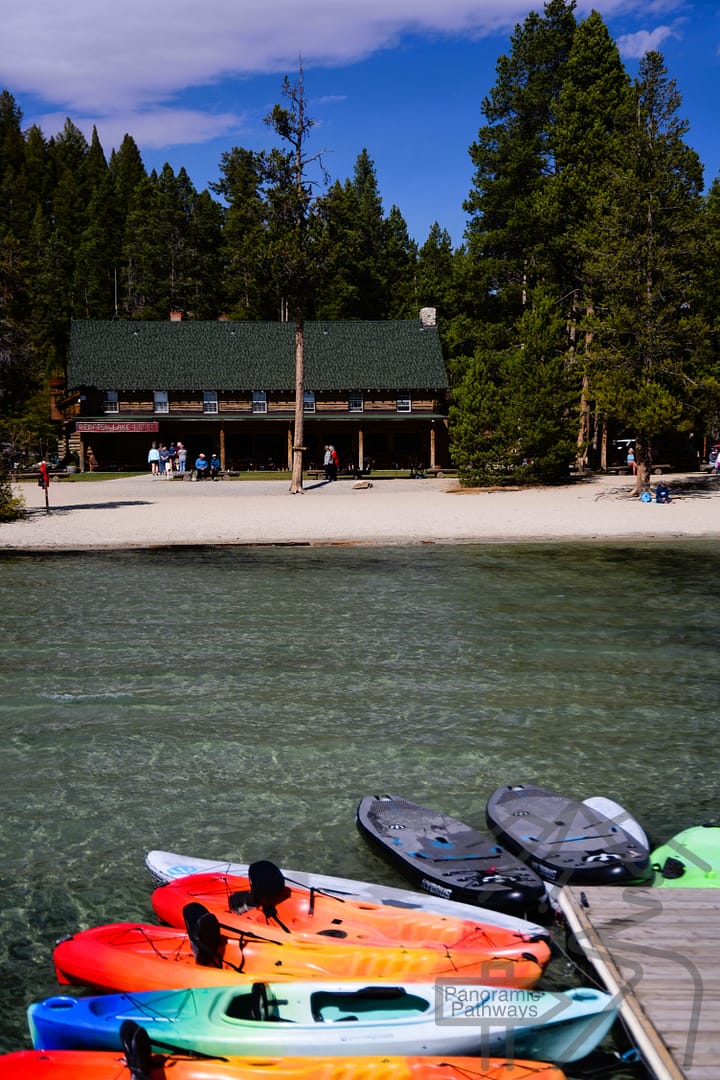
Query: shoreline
<point>144,512</point>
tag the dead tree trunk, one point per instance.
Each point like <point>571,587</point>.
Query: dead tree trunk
<point>296,482</point>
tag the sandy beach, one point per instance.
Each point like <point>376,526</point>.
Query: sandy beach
<point>145,511</point>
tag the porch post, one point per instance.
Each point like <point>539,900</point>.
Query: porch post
<point>361,450</point>
<point>432,444</point>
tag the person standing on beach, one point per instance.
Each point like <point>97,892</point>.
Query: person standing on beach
<point>327,462</point>
<point>154,459</point>
<point>181,457</point>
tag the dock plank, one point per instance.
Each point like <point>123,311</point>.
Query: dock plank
<point>659,951</point>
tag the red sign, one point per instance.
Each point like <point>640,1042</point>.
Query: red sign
<point>111,426</point>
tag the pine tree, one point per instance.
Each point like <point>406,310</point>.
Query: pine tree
<point>397,265</point>
<point>649,335</point>
<point>357,234</point>
<point>246,291</point>
<point>512,251</point>
<point>514,161</point>
<point>593,111</point>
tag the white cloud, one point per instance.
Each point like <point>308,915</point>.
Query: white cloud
<point>126,66</point>
<point>150,128</point>
<point>633,46</point>
<point>101,54</point>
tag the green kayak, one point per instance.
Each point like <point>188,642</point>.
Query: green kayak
<point>690,860</point>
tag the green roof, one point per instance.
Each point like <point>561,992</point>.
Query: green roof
<point>231,355</point>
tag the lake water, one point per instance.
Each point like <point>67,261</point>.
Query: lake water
<point>239,702</point>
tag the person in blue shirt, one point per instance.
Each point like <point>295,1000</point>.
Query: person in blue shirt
<point>201,466</point>
<point>215,466</point>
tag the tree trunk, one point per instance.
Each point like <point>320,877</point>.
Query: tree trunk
<point>642,479</point>
<point>296,483</point>
<point>643,466</point>
<point>583,438</point>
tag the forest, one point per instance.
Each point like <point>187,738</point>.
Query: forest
<point>581,306</point>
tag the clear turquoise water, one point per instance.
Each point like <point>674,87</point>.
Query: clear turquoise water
<point>239,703</point>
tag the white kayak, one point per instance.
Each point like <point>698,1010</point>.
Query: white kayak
<point>169,865</point>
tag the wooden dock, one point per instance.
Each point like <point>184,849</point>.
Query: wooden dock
<point>659,951</point>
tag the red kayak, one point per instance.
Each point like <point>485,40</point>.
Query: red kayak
<point>137,956</point>
<point>283,912</point>
<point>100,1065</point>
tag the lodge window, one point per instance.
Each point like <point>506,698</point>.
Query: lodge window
<point>160,398</point>
<point>110,401</point>
<point>309,401</point>
<point>355,401</point>
<point>403,404</point>
<point>210,402</point>
<point>259,401</point>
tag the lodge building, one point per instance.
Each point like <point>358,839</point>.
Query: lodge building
<point>375,390</point>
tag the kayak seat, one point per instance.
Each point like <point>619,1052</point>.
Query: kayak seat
<point>203,930</point>
<point>137,1049</point>
<point>267,884</point>
<point>241,1008</point>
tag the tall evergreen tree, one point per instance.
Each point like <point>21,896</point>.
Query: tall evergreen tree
<point>594,108</point>
<point>649,338</point>
<point>514,159</point>
<point>96,284</point>
<point>512,251</point>
<point>171,247</point>
<point>357,234</point>
<point>436,281</point>
<point>397,264</point>
<point>127,170</point>
<point>709,420</point>
<point>247,292</point>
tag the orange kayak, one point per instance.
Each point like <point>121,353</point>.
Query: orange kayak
<point>137,956</point>
<point>314,916</point>
<point>103,1065</point>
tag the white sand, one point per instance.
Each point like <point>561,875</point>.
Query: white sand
<point>147,512</point>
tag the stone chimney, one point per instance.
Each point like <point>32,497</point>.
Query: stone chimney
<point>428,317</point>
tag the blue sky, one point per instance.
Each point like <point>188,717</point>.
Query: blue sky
<point>403,79</point>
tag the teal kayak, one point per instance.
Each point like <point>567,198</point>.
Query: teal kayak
<point>690,860</point>
<point>306,1019</point>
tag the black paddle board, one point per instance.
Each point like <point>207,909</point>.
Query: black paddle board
<point>447,858</point>
<point>565,841</point>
